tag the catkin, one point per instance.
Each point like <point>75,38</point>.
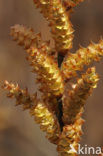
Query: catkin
<point>75,99</point>
<point>84,56</point>
<point>59,22</point>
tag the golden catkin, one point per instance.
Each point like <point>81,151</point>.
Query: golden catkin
<point>48,71</point>
<point>61,26</point>
<point>70,136</point>
<point>22,96</point>
<point>71,3</point>
<point>84,56</point>
<point>43,115</point>
<point>27,38</point>
<point>74,100</point>
<point>47,120</point>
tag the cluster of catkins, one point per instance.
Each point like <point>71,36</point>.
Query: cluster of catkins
<point>59,109</point>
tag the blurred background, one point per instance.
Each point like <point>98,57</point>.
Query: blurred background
<point>19,135</point>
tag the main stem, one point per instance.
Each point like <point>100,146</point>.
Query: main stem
<point>60,60</point>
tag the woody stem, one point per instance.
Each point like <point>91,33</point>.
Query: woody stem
<point>60,60</point>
